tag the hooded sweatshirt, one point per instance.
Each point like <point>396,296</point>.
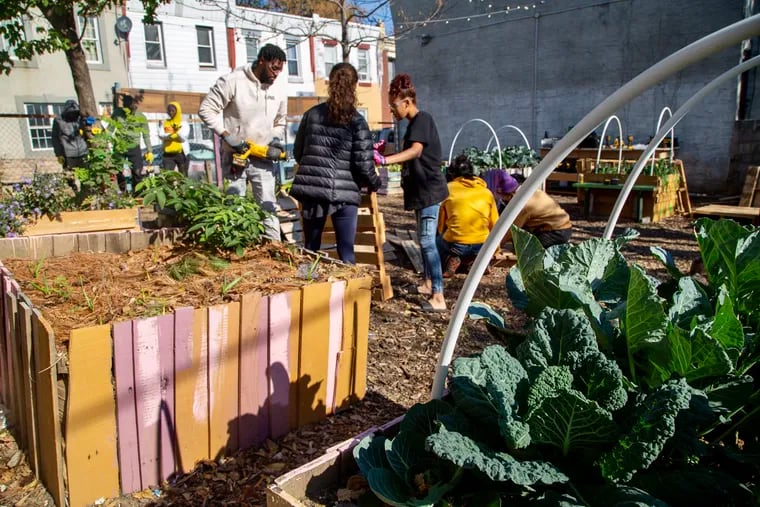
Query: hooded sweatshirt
<point>245,107</point>
<point>469,213</point>
<point>67,136</point>
<point>174,133</point>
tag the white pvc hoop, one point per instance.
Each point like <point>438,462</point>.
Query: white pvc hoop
<point>620,144</point>
<point>672,137</point>
<point>493,137</point>
<point>493,132</point>
<point>684,57</point>
<point>661,133</point>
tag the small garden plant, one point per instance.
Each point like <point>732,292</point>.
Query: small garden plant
<point>626,390</point>
<point>511,157</point>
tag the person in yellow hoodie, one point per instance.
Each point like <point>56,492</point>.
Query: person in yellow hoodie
<point>174,133</point>
<point>466,217</point>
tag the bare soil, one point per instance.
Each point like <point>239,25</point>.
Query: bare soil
<point>403,348</point>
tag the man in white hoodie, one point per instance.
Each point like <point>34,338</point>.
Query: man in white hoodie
<point>250,105</point>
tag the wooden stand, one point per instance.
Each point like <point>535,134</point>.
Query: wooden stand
<point>368,246</point>
<point>748,209</point>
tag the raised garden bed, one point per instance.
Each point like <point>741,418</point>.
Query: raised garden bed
<point>161,373</point>
<point>67,222</point>
<point>646,204</point>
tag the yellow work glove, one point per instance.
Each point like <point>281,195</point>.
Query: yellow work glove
<point>149,157</point>
<point>61,160</point>
<point>96,130</point>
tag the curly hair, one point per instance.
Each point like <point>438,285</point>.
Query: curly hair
<point>341,100</point>
<point>270,52</point>
<point>402,88</point>
<point>461,167</point>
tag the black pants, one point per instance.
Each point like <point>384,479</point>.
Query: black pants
<point>344,222</point>
<point>550,238</point>
<point>135,159</point>
<point>172,160</point>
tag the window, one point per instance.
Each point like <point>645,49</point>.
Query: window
<point>391,69</point>
<point>154,43</point>
<point>5,45</point>
<point>41,129</point>
<point>363,68</point>
<point>294,66</point>
<point>90,38</point>
<point>252,39</point>
<point>331,58</point>
<point>205,46</point>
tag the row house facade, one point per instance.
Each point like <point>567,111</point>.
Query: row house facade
<point>189,45</point>
<point>193,42</point>
<point>41,86</point>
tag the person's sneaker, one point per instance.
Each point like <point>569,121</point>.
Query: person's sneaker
<point>452,264</point>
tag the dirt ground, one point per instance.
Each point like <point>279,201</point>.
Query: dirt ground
<point>403,348</point>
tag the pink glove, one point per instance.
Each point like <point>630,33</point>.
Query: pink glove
<point>379,146</point>
<point>379,159</point>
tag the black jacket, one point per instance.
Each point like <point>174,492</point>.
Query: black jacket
<point>67,136</point>
<point>334,161</point>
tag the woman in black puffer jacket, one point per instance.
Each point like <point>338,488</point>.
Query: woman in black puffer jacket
<point>333,149</point>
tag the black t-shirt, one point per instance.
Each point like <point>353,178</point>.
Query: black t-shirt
<point>423,181</point>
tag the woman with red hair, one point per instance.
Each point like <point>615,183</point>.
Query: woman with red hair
<point>423,181</point>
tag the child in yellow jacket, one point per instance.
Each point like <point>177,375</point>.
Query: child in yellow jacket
<point>174,133</point>
<point>466,217</point>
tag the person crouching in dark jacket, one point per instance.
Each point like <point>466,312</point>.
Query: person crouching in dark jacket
<point>333,148</point>
<point>69,143</point>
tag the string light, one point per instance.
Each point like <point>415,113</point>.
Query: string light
<point>505,10</point>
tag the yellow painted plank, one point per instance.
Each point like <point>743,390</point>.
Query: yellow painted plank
<point>361,289</point>
<point>91,461</point>
<point>312,368</point>
<point>191,388</point>
<point>86,221</point>
<point>48,424</point>
<point>294,353</point>
<point>224,359</point>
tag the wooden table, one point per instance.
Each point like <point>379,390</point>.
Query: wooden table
<point>609,153</point>
<point>587,188</point>
<point>745,213</point>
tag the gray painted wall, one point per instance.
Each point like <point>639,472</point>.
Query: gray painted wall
<point>544,68</point>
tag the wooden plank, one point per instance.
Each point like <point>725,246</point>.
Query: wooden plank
<point>253,426</point>
<point>294,355</point>
<point>126,407</point>
<point>413,252</point>
<point>279,364</point>
<point>312,368</point>
<point>7,385</point>
<point>28,368</point>
<point>363,223</point>
<point>167,416</point>
<point>360,291</point>
<point>147,367</point>
<point>50,469</point>
<point>16,412</point>
<point>191,390</point>
<point>723,210</point>
<point>362,238</point>
<point>750,186</point>
<point>4,367</point>
<point>91,461</point>
<point>64,244</point>
<point>335,340</point>
<point>86,221</point>
<point>224,360</point>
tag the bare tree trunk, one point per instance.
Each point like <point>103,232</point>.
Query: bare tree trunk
<point>64,21</point>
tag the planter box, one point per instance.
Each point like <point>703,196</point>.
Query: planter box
<point>324,475</point>
<point>86,221</point>
<point>391,181</point>
<point>659,203</point>
<point>150,397</point>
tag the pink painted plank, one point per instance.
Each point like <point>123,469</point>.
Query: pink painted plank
<point>148,397</point>
<point>251,308</point>
<point>126,410</point>
<point>167,413</point>
<point>337,292</point>
<point>261,372</point>
<point>279,368</point>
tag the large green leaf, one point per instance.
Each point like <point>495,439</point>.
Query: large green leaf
<point>407,456</point>
<point>644,321</point>
<point>563,417</point>
<point>392,490</point>
<point>748,277</point>
<point>422,417</point>
<point>369,453</point>
<point>726,327</point>
<point>598,378</point>
<point>498,466</point>
<point>667,260</point>
<point>689,301</point>
<point>653,425</point>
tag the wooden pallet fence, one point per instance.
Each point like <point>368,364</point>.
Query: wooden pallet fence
<point>150,398</point>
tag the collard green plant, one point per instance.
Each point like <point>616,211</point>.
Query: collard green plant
<point>627,390</point>
<point>511,157</point>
